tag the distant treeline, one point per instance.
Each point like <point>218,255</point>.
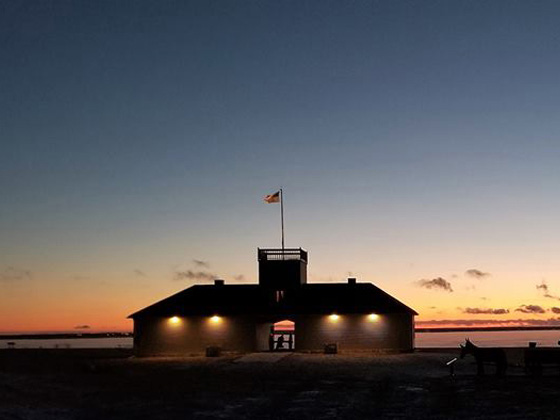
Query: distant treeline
<point>59,336</point>
<point>460,329</point>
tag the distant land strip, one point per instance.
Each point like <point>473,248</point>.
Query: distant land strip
<point>58,336</point>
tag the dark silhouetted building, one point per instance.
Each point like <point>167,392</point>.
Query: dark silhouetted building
<point>242,318</point>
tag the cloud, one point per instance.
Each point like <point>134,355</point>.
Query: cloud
<point>473,272</point>
<point>543,286</point>
<point>194,275</point>
<point>239,277</point>
<point>437,283</point>
<point>200,263</point>
<point>139,273</point>
<point>546,292</point>
<point>15,274</point>
<point>555,309</point>
<point>487,311</point>
<point>82,327</point>
<point>550,322</point>
<point>530,309</point>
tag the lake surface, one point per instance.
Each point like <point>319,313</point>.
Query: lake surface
<point>71,343</point>
<point>545,338</point>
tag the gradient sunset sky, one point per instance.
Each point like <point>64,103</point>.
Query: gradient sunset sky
<point>417,142</point>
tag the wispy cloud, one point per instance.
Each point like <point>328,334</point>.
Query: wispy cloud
<point>194,275</point>
<point>555,309</point>
<point>201,263</point>
<point>437,283</point>
<point>543,287</point>
<point>489,322</point>
<point>478,274</point>
<point>82,327</point>
<point>239,277</point>
<point>10,274</point>
<point>531,309</point>
<point>139,273</point>
<point>485,311</point>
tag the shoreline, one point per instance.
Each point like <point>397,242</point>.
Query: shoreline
<point>428,330</point>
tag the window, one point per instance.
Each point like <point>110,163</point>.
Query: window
<point>279,295</point>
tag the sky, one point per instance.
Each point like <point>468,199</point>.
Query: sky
<point>417,144</point>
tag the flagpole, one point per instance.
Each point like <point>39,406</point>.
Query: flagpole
<point>282,217</point>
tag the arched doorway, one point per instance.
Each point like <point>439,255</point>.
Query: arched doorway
<point>276,335</point>
<point>283,335</point>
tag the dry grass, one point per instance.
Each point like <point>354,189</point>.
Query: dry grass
<point>107,384</point>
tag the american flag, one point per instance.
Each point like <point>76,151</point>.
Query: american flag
<point>272,198</point>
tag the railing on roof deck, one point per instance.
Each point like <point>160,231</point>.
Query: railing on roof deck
<point>268,254</point>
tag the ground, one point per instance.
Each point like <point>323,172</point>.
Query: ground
<point>109,384</point>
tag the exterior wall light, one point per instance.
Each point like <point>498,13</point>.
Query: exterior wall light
<point>174,320</point>
<point>334,317</point>
<point>373,317</point>
<point>215,319</point>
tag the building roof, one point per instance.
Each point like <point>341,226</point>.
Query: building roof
<point>254,300</point>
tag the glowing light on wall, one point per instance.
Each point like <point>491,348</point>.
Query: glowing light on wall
<point>174,320</point>
<point>334,317</point>
<point>215,319</point>
<point>373,317</point>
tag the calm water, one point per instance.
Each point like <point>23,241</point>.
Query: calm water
<point>489,338</point>
<point>443,339</point>
<point>71,343</point>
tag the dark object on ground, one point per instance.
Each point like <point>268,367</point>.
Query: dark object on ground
<point>331,348</point>
<point>535,358</point>
<point>451,365</point>
<point>486,355</point>
<point>213,351</point>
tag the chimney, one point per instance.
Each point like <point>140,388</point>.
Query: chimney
<point>219,282</point>
<point>352,281</point>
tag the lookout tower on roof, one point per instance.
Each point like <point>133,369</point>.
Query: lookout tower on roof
<point>282,269</point>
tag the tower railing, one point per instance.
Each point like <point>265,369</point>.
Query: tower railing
<point>272,254</point>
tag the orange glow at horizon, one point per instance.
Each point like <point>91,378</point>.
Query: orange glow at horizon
<point>46,304</point>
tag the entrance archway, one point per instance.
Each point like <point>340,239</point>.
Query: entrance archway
<point>276,335</point>
<point>283,334</point>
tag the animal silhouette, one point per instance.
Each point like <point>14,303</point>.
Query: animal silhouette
<point>485,354</point>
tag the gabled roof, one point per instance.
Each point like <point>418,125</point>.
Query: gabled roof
<point>319,298</point>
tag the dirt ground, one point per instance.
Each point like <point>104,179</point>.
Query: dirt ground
<point>110,384</point>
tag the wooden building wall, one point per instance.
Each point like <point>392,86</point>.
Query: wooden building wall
<point>159,336</point>
<point>356,332</point>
